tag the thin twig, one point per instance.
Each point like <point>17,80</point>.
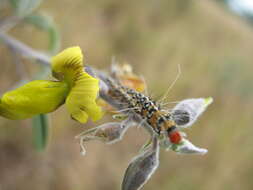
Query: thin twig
<point>23,49</point>
<point>20,69</point>
<point>9,23</point>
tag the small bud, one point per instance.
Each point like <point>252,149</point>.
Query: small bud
<point>187,111</point>
<point>141,168</point>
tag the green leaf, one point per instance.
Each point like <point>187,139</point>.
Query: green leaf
<point>45,23</point>
<point>14,3</point>
<point>54,40</point>
<point>40,126</point>
<point>24,7</point>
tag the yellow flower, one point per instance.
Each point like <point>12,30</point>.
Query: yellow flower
<point>81,100</point>
<point>75,87</point>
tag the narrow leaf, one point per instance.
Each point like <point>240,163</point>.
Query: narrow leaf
<point>24,7</point>
<point>45,23</point>
<point>40,126</point>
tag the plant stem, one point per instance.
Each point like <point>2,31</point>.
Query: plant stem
<point>23,49</point>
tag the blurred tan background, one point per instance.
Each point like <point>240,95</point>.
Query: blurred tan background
<point>214,48</point>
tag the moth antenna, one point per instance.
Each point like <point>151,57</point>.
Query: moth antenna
<point>127,109</point>
<point>141,123</point>
<point>113,60</point>
<point>171,86</point>
<point>123,104</point>
<point>167,103</point>
<point>167,110</point>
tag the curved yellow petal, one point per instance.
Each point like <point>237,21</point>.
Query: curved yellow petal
<point>67,64</point>
<point>81,101</point>
<point>36,97</point>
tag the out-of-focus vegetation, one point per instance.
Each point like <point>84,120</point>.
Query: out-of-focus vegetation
<point>214,49</point>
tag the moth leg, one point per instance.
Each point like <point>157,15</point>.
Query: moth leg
<point>140,123</point>
<point>120,116</point>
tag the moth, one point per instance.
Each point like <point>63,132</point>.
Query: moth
<point>137,109</point>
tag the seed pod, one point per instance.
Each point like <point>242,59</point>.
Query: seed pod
<point>141,168</point>
<point>107,133</point>
<point>186,147</point>
<point>110,132</point>
<point>187,111</point>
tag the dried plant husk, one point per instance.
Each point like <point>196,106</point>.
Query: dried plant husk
<point>141,168</point>
<point>107,133</point>
<point>187,111</point>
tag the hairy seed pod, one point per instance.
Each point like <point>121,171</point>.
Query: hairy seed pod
<point>187,111</point>
<point>186,147</point>
<point>107,133</point>
<point>110,132</point>
<point>141,168</point>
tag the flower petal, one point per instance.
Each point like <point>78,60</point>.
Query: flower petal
<point>36,97</point>
<point>187,111</point>
<point>67,64</point>
<point>186,147</point>
<point>81,101</point>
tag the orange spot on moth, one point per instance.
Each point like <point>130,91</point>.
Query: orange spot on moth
<point>175,137</point>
